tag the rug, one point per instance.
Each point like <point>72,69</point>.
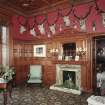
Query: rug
<point>35,95</point>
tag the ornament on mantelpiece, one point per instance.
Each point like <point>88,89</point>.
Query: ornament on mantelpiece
<point>66,20</point>
<point>60,28</point>
<point>52,29</point>
<point>94,26</point>
<point>82,24</point>
<point>48,35</point>
<point>41,28</point>
<point>22,29</point>
<point>32,31</point>
<point>75,26</point>
<point>103,19</point>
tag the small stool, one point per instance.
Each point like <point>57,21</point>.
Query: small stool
<point>96,100</point>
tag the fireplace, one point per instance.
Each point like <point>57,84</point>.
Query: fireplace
<point>68,78</point>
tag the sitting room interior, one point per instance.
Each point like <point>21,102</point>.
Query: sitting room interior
<point>50,50</point>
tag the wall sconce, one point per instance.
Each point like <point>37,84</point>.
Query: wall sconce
<point>54,51</point>
<point>81,51</point>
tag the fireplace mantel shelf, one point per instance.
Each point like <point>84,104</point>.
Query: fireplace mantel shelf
<point>69,62</point>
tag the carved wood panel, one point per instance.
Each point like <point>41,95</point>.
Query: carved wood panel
<point>49,63</point>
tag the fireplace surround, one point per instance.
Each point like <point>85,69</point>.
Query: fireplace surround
<point>68,78</point>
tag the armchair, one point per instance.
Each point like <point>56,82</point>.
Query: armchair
<point>35,74</point>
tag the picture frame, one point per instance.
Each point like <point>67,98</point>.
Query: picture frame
<point>39,51</point>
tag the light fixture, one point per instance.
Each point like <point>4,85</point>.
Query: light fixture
<point>25,4</point>
<point>54,51</point>
<point>81,51</point>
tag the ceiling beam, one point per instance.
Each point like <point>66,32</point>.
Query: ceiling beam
<point>61,3</point>
<point>46,2</point>
<point>48,8</point>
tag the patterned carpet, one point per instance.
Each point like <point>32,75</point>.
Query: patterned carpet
<point>34,95</point>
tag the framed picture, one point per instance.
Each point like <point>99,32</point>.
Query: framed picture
<point>39,50</point>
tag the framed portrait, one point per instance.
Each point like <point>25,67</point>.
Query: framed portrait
<point>39,51</point>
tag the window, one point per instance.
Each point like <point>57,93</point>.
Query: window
<point>5,47</point>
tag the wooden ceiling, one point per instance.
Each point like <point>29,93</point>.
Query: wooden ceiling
<point>32,6</point>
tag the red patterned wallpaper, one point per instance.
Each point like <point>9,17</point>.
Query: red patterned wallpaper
<point>91,13</point>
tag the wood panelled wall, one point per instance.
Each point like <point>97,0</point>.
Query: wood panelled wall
<point>23,57</point>
<point>0,51</point>
<point>21,54</point>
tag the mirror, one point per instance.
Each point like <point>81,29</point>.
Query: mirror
<point>69,51</point>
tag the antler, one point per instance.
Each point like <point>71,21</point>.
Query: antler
<point>85,16</point>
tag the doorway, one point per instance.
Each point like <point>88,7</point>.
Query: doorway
<point>98,63</point>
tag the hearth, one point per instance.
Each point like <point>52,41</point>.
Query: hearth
<point>68,78</point>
